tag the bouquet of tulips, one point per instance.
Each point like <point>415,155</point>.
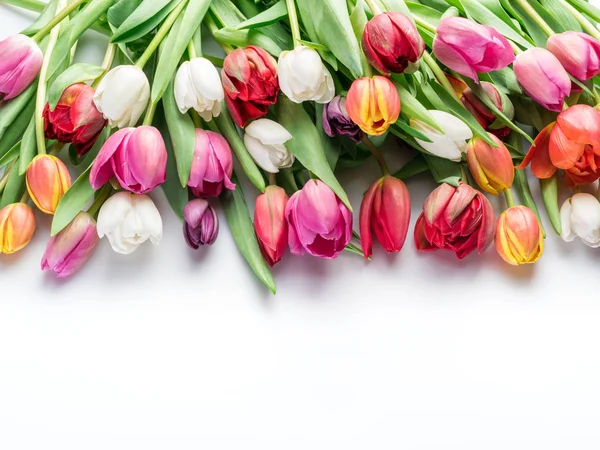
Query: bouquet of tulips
<point>306,88</point>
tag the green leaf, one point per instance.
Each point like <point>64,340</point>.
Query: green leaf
<point>275,31</point>
<point>413,109</point>
<point>146,17</point>
<point>244,38</point>
<point>561,15</point>
<point>415,166</point>
<point>28,147</point>
<point>15,132</point>
<point>585,7</point>
<point>73,202</point>
<point>120,11</point>
<point>533,29</point>
<point>505,80</point>
<point>396,5</point>
<point>90,156</point>
<point>425,13</point>
<point>313,45</point>
<point>227,13</point>
<point>242,229</point>
<point>444,170</point>
<point>524,192</point>
<point>45,16</point>
<point>10,111</point>
<point>77,73</point>
<point>269,16</point>
<point>407,129</point>
<point>11,155</point>
<point>549,189</point>
<point>331,146</point>
<point>15,187</point>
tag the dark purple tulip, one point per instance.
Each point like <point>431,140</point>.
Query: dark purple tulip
<point>337,122</point>
<point>201,226</point>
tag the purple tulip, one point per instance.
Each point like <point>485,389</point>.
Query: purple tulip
<point>212,165</point>
<point>20,64</point>
<point>577,52</point>
<point>337,122</point>
<point>201,226</point>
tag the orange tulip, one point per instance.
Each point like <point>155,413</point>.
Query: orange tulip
<point>373,104</point>
<point>492,168</point>
<point>47,181</point>
<point>17,225</point>
<point>519,237</point>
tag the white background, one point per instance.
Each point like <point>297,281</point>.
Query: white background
<point>171,349</point>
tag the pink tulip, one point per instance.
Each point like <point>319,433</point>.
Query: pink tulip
<point>577,52</point>
<point>136,157</point>
<point>20,64</point>
<point>543,78</point>
<point>319,223</point>
<point>468,47</point>
<point>212,166</point>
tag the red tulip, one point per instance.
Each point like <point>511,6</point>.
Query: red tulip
<point>486,118</point>
<point>270,224</point>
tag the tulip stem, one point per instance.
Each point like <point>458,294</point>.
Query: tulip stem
<point>374,7</point>
<point>510,199</point>
<point>425,25</point>
<point>192,50</point>
<point>440,75</point>
<point>536,17</point>
<point>109,57</point>
<point>214,29</point>
<point>25,198</point>
<point>58,18</point>
<point>149,117</point>
<point>294,25</point>
<point>273,179</point>
<point>101,196</point>
<point>583,21</point>
<point>377,155</point>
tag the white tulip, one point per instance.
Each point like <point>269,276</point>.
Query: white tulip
<point>128,220</point>
<point>452,143</point>
<point>580,218</point>
<point>122,96</point>
<point>265,141</point>
<point>304,77</point>
<point>198,86</point>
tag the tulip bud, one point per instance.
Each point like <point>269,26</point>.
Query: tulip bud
<point>70,249</point>
<point>543,78</point>
<point>212,165</point>
<point>75,120</point>
<point>136,157</point>
<point>385,210</point>
<point>336,121</point>
<point>20,64</point>
<point>492,168</point>
<point>201,224</point>
<point>198,86</point>
<point>580,218</point>
<point>270,225</point>
<point>250,83</point>
<point>486,118</point>
<point>373,104</point>
<point>578,53</point>
<point>47,181</point>
<point>265,141</point>
<point>468,47</point>
<point>17,225</point>
<point>450,144</point>
<point>519,237</point>
<point>392,43</point>
<point>122,96</point>
<point>303,76</point>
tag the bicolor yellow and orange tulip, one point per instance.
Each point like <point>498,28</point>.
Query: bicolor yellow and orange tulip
<point>373,104</point>
<point>519,237</point>
<point>17,225</point>
<point>492,168</point>
<point>47,181</point>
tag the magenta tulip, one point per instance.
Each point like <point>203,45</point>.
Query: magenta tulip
<point>20,64</point>
<point>578,53</point>
<point>212,165</point>
<point>201,223</point>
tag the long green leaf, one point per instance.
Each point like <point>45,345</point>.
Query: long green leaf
<point>45,16</point>
<point>550,195</point>
<point>118,13</point>
<point>269,16</point>
<point>10,111</point>
<point>560,13</point>
<point>244,38</point>
<point>77,73</point>
<point>443,170</point>
<point>15,187</point>
<point>28,148</point>
<point>11,155</point>
<point>147,16</point>
<point>15,132</point>
<point>73,202</point>
<point>585,7</point>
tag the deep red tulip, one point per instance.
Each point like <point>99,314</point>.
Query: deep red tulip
<point>486,118</point>
<point>270,224</point>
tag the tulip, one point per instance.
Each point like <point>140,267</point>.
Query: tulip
<point>486,118</point>
<point>122,96</point>
<point>519,236</point>
<point>392,43</point>
<point>198,86</point>
<point>580,218</point>
<point>578,53</point>
<point>492,168</point>
<point>543,78</point>
<point>265,141</point>
<point>75,120</point>
<point>212,165</point>
<point>336,121</point>
<point>17,225</point>
<point>460,220</point>
<point>128,220</point>
<point>270,224</point>
<point>303,76</point>
<point>201,224</point>
<point>250,83</point>
<point>70,249</point>
<point>136,157</point>
<point>373,104</point>
<point>385,210</point>
<point>319,223</point>
<point>20,64</point>
<point>450,144</point>
<point>468,47</point>
<point>47,180</point>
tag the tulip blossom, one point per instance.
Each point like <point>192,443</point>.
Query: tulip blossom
<point>270,224</point>
<point>75,120</point>
<point>450,144</point>
<point>136,157</point>
<point>386,211</point>
<point>265,141</point>
<point>543,78</point>
<point>519,236</point>
<point>70,249</point>
<point>578,53</point>
<point>303,76</point>
<point>492,168</point>
<point>47,181</point>
<point>17,225</point>
<point>128,220</point>
<point>486,118</point>
<point>122,96</point>
<point>337,122</point>
<point>460,220</point>
<point>392,43</point>
<point>580,218</point>
<point>201,224</point>
<point>468,47</point>
<point>198,86</point>
<point>20,64</point>
<point>250,83</point>
<point>373,104</point>
<point>319,222</point>
<point>212,166</point>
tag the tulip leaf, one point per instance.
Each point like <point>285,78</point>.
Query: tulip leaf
<point>505,80</point>
<point>73,202</point>
<point>439,5</point>
<point>11,110</point>
<point>45,16</point>
<point>585,7</point>
<point>90,156</point>
<point>227,13</point>
<point>396,5</point>
<point>146,17</point>
<point>77,73</point>
<point>444,170</point>
<point>15,187</point>
<point>556,9</point>
<point>28,147</point>
<point>415,166</point>
<point>306,144</point>
<point>267,17</point>
<point>549,189</point>
<point>525,196</point>
<point>275,31</point>
<point>425,13</point>
<point>407,129</point>
<point>244,38</point>
<point>15,132</point>
<point>533,28</point>
<point>242,229</point>
<point>11,154</point>
<point>413,109</point>
<point>120,11</point>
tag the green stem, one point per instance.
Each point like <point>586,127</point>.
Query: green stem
<point>31,5</point>
<point>374,7</point>
<point>440,75</point>
<point>510,199</point>
<point>109,57</point>
<point>377,155</point>
<point>101,196</point>
<point>58,18</point>
<point>214,29</point>
<point>192,50</point>
<point>295,26</point>
<point>583,21</point>
<point>150,113</point>
<point>273,179</point>
<point>536,17</point>
<point>425,25</point>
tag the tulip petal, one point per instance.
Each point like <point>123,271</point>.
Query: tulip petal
<point>102,169</point>
<point>366,217</point>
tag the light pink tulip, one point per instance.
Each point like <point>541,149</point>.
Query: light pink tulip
<point>543,78</point>
<point>577,52</point>
<point>468,47</point>
<point>212,165</point>
<point>319,223</point>
<point>20,62</point>
<point>136,157</point>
